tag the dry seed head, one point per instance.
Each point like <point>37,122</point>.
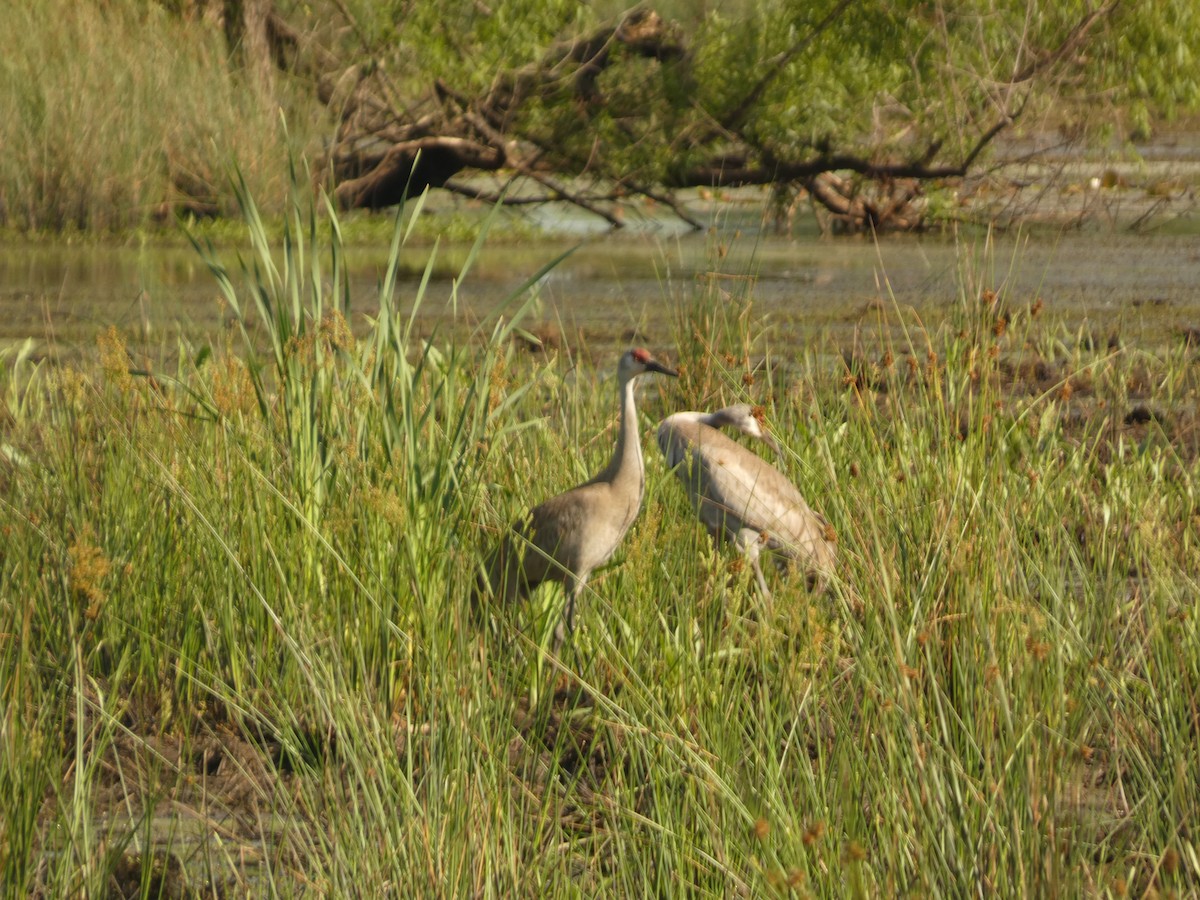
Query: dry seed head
<point>762,828</point>
<point>300,346</point>
<point>498,385</point>
<point>88,568</point>
<point>813,833</point>
<point>1066,391</point>
<point>114,358</point>
<point>232,389</point>
<point>73,385</point>
<point>387,504</point>
<point>1170,861</point>
<point>336,331</point>
<point>1038,649</point>
<point>748,379</point>
<point>830,534</point>
<point>855,852</point>
<point>988,297</point>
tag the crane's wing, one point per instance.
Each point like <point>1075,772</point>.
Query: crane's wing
<point>732,488</point>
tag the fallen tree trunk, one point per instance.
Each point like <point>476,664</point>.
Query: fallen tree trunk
<point>412,166</point>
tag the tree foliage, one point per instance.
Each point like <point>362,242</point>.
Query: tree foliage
<point>859,103</point>
<point>789,91</point>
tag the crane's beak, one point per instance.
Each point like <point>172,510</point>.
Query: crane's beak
<point>771,442</point>
<point>653,365</point>
<point>764,434</point>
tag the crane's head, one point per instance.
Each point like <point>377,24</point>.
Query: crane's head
<point>745,418</point>
<point>638,360</point>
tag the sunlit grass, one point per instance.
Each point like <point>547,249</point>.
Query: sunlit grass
<point>236,647</point>
<point>117,115</point>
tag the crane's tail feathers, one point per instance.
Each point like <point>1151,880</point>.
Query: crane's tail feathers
<point>511,570</point>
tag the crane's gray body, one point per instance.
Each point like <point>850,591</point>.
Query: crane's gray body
<point>568,536</point>
<point>741,497</point>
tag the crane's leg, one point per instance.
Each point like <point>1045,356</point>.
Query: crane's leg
<point>751,543</point>
<point>762,582</point>
<point>566,625</point>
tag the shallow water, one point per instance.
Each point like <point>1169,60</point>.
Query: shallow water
<point>618,288</point>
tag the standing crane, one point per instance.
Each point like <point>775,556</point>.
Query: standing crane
<point>741,497</point>
<point>566,537</point>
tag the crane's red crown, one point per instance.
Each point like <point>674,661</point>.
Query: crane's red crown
<point>641,354</point>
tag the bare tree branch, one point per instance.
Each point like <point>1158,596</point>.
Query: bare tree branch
<point>1070,44</point>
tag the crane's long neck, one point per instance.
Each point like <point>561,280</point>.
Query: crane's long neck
<point>626,467</point>
<point>687,417</point>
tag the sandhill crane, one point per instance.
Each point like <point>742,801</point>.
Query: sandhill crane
<point>567,536</point>
<point>741,497</point>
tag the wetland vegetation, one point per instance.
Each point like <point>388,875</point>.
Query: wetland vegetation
<point>238,659</point>
<point>246,486</point>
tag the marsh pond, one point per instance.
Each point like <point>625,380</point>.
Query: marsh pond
<point>812,291</point>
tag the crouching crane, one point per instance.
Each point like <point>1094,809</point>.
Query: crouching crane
<point>567,536</point>
<point>741,497</point>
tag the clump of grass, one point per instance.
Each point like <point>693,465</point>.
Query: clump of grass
<point>996,696</point>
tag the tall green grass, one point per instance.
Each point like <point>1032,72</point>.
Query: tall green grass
<point>237,594</point>
<point>106,108</point>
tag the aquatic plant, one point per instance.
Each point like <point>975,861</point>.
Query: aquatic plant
<point>237,653</point>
